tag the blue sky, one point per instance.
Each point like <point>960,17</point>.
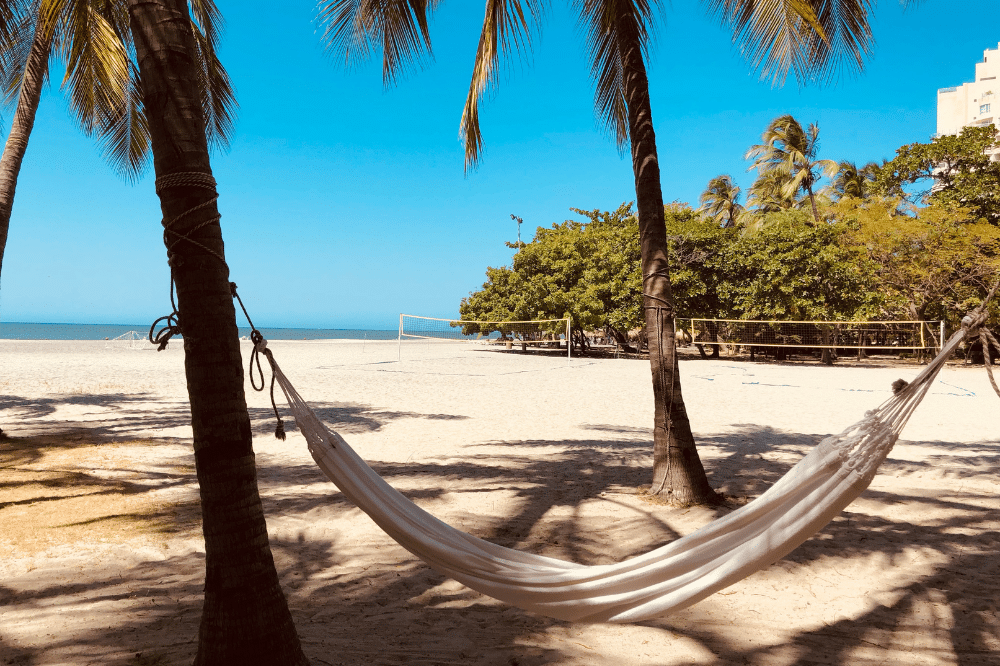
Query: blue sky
<point>345,203</point>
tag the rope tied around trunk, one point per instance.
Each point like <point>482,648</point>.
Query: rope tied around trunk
<point>172,237</point>
<point>188,179</point>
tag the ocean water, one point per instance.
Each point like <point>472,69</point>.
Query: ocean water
<point>30,331</point>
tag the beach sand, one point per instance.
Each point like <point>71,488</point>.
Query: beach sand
<point>102,562</point>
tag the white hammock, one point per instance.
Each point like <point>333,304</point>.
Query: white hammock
<point>669,578</point>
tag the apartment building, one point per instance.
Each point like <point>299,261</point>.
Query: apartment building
<point>976,103</point>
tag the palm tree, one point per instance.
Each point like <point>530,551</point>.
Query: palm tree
<point>245,619</point>
<point>789,152</point>
<point>767,194</point>
<point>850,181</point>
<point>93,40</point>
<point>720,201</point>
<point>807,37</point>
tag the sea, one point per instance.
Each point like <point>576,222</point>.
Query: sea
<point>32,331</point>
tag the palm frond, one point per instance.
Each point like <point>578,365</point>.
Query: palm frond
<point>604,22</point>
<point>814,39</point>
<point>508,25</point>
<point>848,39</point>
<point>102,82</point>
<point>11,13</point>
<point>124,131</point>
<point>19,38</point>
<point>352,29</point>
<point>97,62</point>
<point>218,96</point>
<point>17,28</point>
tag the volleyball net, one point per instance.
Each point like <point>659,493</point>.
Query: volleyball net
<point>522,335</point>
<point>846,335</point>
<point>130,340</point>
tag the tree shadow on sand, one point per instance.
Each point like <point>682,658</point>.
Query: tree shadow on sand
<point>399,611</point>
<point>409,594</point>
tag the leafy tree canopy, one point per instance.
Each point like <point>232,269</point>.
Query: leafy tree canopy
<point>573,269</point>
<point>698,246</point>
<point>790,269</point>
<point>934,263</point>
<point>952,169</point>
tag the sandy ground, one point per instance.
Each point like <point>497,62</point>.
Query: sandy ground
<point>101,560</point>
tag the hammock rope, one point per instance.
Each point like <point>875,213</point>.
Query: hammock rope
<point>666,579</point>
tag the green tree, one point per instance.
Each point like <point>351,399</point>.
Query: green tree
<point>931,263</point>
<point>765,196</point>
<point>615,269</point>
<point>721,201</point>
<point>92,39</point>
<point>245,619</point>
<point>952,169</point>
<point>592,272</point>
<point>546,281</point>
<point>698,248</point>
<point>588,271</point>
<point>791,269</point>
<point>789,155</point>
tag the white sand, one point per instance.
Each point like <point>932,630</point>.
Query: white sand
<point>532,452</point>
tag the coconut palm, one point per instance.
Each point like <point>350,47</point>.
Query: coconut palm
<point>720,201</point>
<point>245,618</point>
<point>777,34</point>
<point>92,39</point>
<point>789,152</point>
<point>850,181</point>
<point>808,38</point>
<point>768,193</point>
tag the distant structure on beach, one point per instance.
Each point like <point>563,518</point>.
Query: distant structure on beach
<point>972,104</point>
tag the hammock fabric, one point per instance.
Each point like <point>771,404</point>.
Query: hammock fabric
<point>669,578</point>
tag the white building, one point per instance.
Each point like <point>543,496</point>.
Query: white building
<point>976,103</point>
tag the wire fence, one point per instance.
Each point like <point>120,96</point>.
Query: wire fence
<point>859,336</point>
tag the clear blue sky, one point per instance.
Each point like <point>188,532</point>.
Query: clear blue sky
<point>345,204</point>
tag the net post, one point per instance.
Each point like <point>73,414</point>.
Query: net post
<point>569,341</point>
<point>941,339</point>
<point>399,340</point>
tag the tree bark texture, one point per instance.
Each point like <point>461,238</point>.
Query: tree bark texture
<point>812,202</point>
<point>245,619</point>
<point>677,469</point>
<point>20,129</point>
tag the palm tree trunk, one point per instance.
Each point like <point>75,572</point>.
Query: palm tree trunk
<point>677,469</point>
<point>812,200</point>
<point>20,128</point>
<point>245,619</point>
